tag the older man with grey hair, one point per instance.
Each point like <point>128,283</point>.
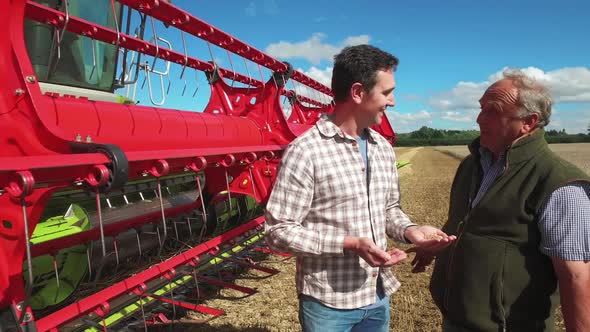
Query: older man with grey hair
<point>521,216</point>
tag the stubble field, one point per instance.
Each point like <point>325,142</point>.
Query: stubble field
<point>425,186</point>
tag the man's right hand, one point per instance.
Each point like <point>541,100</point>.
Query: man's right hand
<point>422,260</point>
<point>374,256</point>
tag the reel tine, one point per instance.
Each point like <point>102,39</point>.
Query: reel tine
<point>116,253</point>
<point>190,229</point>
<point>164,227</point>
<point>228,191</point>
<point>89,262</point>
<point>100,221</point>
<point>176,231</point>
<point>138,243</point>
<point>204,213</point>
<point>56,276</point>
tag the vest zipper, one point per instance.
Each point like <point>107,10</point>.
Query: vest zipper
<point>460,228</point>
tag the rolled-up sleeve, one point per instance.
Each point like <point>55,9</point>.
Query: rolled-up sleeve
<point>288,206</point>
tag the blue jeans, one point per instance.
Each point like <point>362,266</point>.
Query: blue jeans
<point>316,317</point>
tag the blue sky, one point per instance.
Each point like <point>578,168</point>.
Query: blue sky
<point>449,50</point>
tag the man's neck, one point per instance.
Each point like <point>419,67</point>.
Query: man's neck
<point>345,120</point>
<point>496,155</point>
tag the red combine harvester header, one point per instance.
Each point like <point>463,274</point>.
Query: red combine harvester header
<point>92,183</point>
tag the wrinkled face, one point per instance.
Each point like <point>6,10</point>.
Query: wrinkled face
<point>498,121</point>
<point>379,98</point>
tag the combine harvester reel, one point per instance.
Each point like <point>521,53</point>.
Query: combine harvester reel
<point>113,214</point>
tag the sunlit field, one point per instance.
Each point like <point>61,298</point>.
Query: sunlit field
<point>425,186</point>
<point>576,153</point>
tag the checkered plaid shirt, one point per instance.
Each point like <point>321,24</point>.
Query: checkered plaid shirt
<point>320,196</point>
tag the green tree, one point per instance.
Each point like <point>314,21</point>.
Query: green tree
<point>424,133</point>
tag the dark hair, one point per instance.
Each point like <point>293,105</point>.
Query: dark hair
<point>359,64</point>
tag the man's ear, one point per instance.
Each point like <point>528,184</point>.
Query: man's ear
<point>530,123</point>
<point>357,92</point>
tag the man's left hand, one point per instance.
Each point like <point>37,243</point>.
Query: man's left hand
<point>428,239</point>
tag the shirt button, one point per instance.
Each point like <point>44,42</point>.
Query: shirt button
<point>375,274</point>
<point>363,169</point>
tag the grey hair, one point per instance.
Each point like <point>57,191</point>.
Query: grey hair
<point>533,97</point>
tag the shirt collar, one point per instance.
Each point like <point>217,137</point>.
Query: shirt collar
<point>486,157</point>
<point>329,129</point>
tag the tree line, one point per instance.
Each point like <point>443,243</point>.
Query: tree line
<point>426,136</point>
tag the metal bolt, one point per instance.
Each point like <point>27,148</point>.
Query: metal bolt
<point>31,79</point>
<point>19,92</point>
<point>78,138</point>
<point>28,317</point>
<point>88,139</point>
<point>19,306</point>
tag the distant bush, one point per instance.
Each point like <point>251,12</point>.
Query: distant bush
<point>578,138</point>
<point>431,142</point>
<point>430,137</point>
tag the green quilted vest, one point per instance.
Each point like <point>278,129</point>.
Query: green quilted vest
<point>494,278</point>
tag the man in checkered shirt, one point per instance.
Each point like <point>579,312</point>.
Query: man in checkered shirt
<point>336,199</point>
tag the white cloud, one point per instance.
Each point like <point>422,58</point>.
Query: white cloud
<point>465,95</point>
<point>567,85</point>
<point>269,7</point>
<point>314,49</point>
<point>321,75</point>
<point>250,10</point>
<point>573,121</point>
<point>356,40</point>
<point>459,116</point>
<point>406,122</point>
<point>412,97</point>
